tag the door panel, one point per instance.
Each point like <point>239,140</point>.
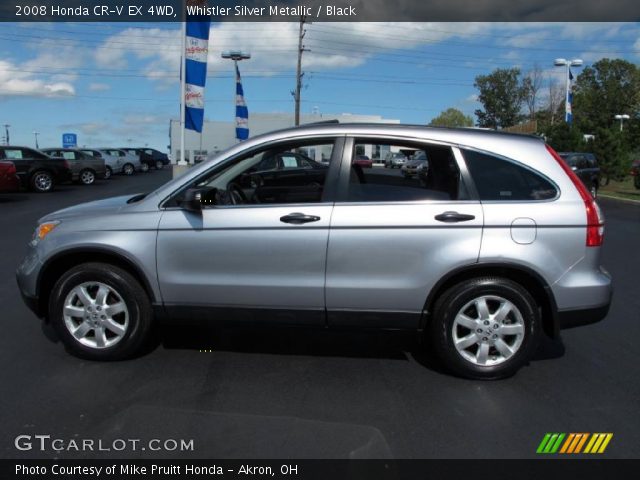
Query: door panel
<point>244,256</point>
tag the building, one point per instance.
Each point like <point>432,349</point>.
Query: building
<point>217,136</point>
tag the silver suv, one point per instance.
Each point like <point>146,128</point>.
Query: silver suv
<point>496,244</point>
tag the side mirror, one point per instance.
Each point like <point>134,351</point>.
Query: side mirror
<point>192,200</point>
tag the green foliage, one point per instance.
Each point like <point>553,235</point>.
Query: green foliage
<point>452,117</point>
<point>563,138</point>
<point>612,153</point>
<point>501,96</point>
<point>607,88</point>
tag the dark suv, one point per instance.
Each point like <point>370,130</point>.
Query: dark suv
<point>36,170</point>
<point>586,167</point>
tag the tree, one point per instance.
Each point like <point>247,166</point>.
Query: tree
<point>501,96</point>
<point>452,117</point>
<point>608,88</point>
<point>531,85</point>
<point>563,138</point>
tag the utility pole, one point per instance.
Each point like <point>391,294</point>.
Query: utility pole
<point>299,73</point>
<point>6,133</point>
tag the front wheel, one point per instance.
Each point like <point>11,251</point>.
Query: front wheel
<point>144,167</point>
<point>485,328</point>
<point>128,169</point>
<point>100,312</point>
<point>159,164</point>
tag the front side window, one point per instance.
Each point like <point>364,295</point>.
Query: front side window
<point>501,179</point>
<point>436,180</point>
<point>271,175</point>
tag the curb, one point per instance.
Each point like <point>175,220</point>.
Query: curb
<point>626,200</point>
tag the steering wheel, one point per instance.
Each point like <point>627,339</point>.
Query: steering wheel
<point>236,194</point>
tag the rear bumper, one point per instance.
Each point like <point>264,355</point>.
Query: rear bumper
<point>583,316</point>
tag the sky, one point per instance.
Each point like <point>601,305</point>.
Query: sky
<point>117,84</point>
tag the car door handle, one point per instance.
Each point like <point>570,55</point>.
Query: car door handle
<point>453,217</point>
<point>299,218</point>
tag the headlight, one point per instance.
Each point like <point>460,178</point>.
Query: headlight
<point>43,230</point>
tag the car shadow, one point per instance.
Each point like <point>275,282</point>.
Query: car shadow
<point>289,341</point>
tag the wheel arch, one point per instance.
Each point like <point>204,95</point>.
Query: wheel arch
<point>61,262</point>
<point>525,276</point>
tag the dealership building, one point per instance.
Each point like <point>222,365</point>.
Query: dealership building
<point>217,136</point>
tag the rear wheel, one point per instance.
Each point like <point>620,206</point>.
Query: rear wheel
<point>41,181</point>
<point>128,169</point>
<point>100,312</point>
<point>107,173</point>
<point>485,328</point>
<point>144,167</point>
<point>87,177</point>
<point>159,164</point>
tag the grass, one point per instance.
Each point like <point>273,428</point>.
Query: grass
<point>623,189</point>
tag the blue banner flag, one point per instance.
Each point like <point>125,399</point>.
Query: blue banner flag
<point>568,111</point>
<point>196,52</point>
<point>242,112</point>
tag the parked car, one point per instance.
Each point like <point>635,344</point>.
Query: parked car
<point>36,170</point>
<point>85,169</point>
<point>635,173</point>
<point>500,244</point>
<point>147,161</point>
<point>394,159</point>
<point>155,157</point>
<point>112,163</point>
<point>585,165</point>
<point>417,167</point>
<point>363,160</point>
<point>9,181</point>
<point>130,162</point>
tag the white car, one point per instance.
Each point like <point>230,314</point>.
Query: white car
<point>130,163</point>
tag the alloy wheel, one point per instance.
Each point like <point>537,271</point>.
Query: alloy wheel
<point>87,177</point>
<point>43,182</point>
<point>488,330</point>
<point>96,315</point>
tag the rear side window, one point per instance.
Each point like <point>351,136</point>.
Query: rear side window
<point>500,179</point>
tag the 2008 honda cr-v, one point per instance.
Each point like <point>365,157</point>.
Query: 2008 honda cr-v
<point>495,244</point>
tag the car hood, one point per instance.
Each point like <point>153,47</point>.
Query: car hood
<point>98,207</point>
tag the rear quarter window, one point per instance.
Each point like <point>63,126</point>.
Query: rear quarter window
<point>499,179</point>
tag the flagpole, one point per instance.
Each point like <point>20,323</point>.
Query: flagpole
<point>183,83</point>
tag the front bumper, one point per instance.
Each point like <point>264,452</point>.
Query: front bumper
<point>27,277</point>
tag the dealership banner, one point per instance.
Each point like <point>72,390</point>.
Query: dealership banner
<point>196,53</point>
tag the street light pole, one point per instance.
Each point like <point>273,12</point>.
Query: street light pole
<point>6,133</point>
<point>561,62</point>
<point>622,118</point>
<point>35,134</point>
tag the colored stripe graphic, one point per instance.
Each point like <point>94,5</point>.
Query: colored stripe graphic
<point>573,443</point>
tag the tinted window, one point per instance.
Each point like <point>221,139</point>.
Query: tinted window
<point>268,176</point>
<point>499,179</point>
<point>441,180</point>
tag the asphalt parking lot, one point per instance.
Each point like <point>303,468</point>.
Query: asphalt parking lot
<point>309,394</point>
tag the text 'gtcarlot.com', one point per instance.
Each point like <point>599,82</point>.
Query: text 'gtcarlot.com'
<point>46,443</point>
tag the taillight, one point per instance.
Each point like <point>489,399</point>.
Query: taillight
<point>595,220</point>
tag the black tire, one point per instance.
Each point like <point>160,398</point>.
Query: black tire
<point>128,289</point>
<point>107,173</point>
<point>128,169</point>
<point>145,167</point>
<point>159,164</point>
<point>87,177</point>
<point>449,304</point>
<point>41,181</point>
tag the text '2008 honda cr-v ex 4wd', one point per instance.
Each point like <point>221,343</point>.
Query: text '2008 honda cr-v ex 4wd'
<point>497,242</point>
